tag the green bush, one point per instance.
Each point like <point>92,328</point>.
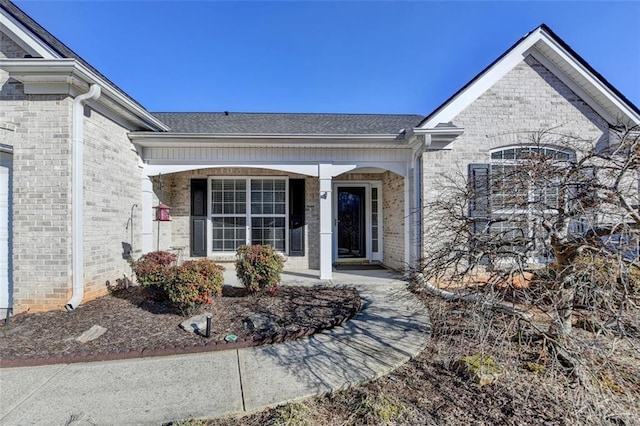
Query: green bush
<point>153,272</point>
<point>194,284</point>
<point>258,267</point>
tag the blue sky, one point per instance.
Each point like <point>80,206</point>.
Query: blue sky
<point>362,57</point>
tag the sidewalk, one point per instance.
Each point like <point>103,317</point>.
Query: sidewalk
<point>391,327</point>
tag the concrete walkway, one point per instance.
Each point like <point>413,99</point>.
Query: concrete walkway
<point>391,327</point>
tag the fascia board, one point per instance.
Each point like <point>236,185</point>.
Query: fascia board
<point>507,63</point>
<point>341,136</point>
<point>590,78</point>
<point>24,38</point>
<point>164,140</point>
<point>440,131</point>
<point>68,71</point>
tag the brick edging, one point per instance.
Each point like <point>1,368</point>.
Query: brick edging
<point>197,347</point>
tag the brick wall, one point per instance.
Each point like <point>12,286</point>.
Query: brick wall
<point>9,49</point>
<point>177,194</point>
<point>41,191</point>
<point>528,98</point>
<point>41,144</point>
<point>112,192</point>
<point>393,221</point>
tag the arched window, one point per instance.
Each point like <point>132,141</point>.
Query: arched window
<point>519,182</point>
<point>515,191</point>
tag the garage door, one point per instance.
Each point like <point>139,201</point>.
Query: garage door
<point>6,285</point>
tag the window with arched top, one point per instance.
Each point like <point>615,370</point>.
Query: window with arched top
<point>514,192</point>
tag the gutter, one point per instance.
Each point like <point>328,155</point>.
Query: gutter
<point>222,140</point>
<point>77,196</point>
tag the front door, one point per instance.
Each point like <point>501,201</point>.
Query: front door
<point>351,222</point>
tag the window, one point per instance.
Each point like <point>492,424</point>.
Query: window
<point>248,211</point>
<point>375,217</point>
<point>513,194</point>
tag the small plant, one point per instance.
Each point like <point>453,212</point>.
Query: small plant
<point>258,267</point>
<point>194,284</point>
<point>293,414</point>
<point>153,272</point>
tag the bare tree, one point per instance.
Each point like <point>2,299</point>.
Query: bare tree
<point>557,213</point>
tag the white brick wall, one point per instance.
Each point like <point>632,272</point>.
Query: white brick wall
<point>393,221</point>
<point>42,195</point>
<point>528,98</point>
<point>112,187</point>
<point>177,193</point>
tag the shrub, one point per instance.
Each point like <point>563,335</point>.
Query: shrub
<point>193,284</point>
<point>153,271</point>
<point>258,267</point>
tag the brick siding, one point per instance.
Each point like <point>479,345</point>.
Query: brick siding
<point>528,98</point>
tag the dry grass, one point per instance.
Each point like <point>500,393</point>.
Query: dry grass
<point>534,387</point>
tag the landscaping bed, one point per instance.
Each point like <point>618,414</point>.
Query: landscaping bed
<point>533,388</point>
<point>138,327</point>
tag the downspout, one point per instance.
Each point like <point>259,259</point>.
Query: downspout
<point>77,196</point>
<point>417,167</point>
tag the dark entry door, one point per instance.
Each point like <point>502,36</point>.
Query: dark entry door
<point>351,222</point>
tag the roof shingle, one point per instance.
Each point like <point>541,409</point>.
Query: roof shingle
<point>283,123</point>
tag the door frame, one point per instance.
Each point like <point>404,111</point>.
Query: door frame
<point>367,185</point>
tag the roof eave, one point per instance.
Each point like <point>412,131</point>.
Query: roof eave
<point>150,139</point>
<point>68,74</point>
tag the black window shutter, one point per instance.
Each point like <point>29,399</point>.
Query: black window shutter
<point>296,217</point>
<point>198,217</point>
<point>479,187</point>
<point>479,205</point>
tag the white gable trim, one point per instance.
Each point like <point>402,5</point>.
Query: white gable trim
<point>24,38</point>
<point>589,78</point>
<point>535,44</point>
<point>488,79</point>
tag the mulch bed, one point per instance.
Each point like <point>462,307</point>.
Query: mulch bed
<point>139,327</point>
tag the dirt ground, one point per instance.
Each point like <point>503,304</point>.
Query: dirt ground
<point>135,323</point>
<point>532,389</point>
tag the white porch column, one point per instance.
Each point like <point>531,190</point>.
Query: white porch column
<point>407,221</point>
<point>147,214</point>
<point>326,240</point>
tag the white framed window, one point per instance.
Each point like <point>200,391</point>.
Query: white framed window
<point>248,210</point>
<point>522,199</point>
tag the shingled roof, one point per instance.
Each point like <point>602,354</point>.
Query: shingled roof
<point>282,123</point>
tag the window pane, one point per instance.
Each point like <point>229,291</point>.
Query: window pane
<point>268,230</point>
<point>228,204</point>
<point>228,233</point>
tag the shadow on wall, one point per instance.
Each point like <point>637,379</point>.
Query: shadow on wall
<point>126,250</point>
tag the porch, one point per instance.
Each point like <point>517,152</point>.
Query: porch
<point>338,214</point>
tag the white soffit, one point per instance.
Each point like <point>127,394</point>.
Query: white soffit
<point>554,57</point>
